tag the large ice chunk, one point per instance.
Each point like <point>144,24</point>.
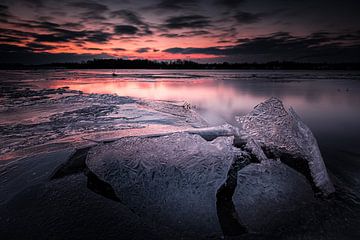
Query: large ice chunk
<point>281,134</point>
<point>172,178</point>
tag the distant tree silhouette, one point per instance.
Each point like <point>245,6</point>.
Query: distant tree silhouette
<point>185,64</point>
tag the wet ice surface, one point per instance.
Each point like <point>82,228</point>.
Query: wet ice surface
<point>34,120</point>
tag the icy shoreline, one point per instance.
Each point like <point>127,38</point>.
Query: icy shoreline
<point>35,120</point>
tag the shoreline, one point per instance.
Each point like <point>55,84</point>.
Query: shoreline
<point>70,118</point>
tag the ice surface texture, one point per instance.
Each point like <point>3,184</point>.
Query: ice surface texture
<point>282,135</point>
<point>172,179</point>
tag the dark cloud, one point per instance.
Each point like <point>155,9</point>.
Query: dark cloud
<point>191,50</point>
<point>28,3</point>
<point>229,3</point>
<point>73,25</point>
<point>92,10</point>
<point>185,34</point>
<point>11,39</point>
<point>8,48</point>
<point>98,36</point>
<point>54,37</point>
<point>34,3</point>
<point>349,37</point>
<point>39,47</point>
<point>143,50</point>
<point>14,33</point>
<point>47,25</point>
<point>35,25</point>
<point>126,30</point>
<point>284,46</point>
<point>129,16</point>
<point>247,17</point>
<point>146,31</point>
<point>63,35</point>
<point>119,49</point>
<point>59,34</point>
<point>171,35</point>
<point>187,21</point>
<point>4,13</point>
<point>243,40</point>
<point>26,35</point>
<point>196,33</point>
<point>45,18</point>
<point>94,49</point>
<point>56,33</point>
<point>3,9</point>
<point>176,5</point>
<point>90,6</point>
<point>17,54</point>
<point>224,41</point>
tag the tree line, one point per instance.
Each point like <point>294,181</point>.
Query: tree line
<point>185,64</point>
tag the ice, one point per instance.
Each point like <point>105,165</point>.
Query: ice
<point>282,135</point>
<point>59,116</point>
<point>171,179</point>
<point>175,180</point>
<point>269,192</point>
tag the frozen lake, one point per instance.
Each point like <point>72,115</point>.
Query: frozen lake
<point>328,101</point>
<point>44,114</point>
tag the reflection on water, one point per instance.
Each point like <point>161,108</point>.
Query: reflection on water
<point>328,101</point>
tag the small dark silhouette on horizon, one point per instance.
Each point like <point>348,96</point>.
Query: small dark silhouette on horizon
<point>183,64</point>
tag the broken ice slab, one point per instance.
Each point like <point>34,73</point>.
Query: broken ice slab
<point>171,179</point>
<point>174,180</point>
<point>282,135</point>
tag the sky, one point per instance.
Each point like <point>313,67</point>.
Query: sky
<point>45,31</point>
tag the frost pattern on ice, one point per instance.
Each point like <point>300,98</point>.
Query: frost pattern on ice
<point>172,178</point>
<point>283,135</point>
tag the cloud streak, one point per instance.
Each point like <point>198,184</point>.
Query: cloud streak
<point>284,46</point>
<point>247,17</point>
<point>187,21</point>
<point>126,30</point>
<point>16,54</point>
<point>176,5</point>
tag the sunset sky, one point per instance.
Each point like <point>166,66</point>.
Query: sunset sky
<point>40,31</point>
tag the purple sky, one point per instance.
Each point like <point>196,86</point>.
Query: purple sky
<point>40,31</point>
